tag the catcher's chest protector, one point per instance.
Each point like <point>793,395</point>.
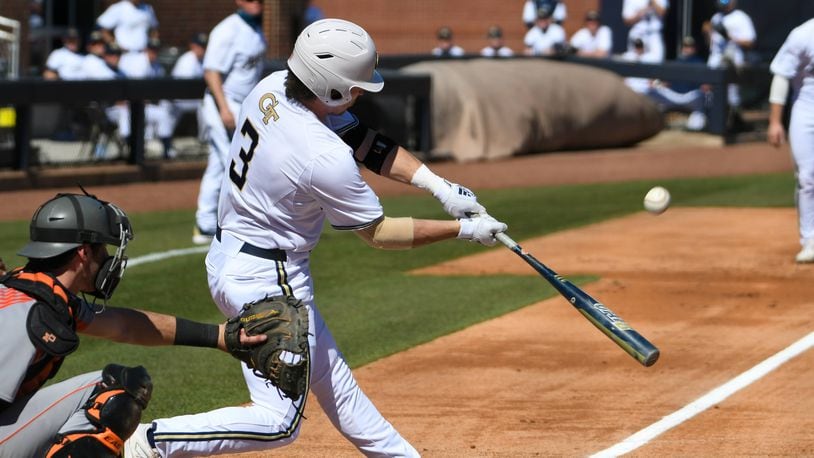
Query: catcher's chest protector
<point>51,324</point>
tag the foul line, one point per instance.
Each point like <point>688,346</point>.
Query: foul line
<point>155,257</point>
<point>708,400</point>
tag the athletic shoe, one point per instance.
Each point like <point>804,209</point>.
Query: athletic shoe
<point>200,237</point>
<point>138,445</point>
<point>806,254</point>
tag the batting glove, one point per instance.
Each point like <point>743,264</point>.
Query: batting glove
<point>481,229</point>
<point>457,200</point>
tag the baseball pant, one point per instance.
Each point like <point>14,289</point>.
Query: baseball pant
<point>271,420</point>
<point>206,216</point>
<point>31,423</point>
<point>801,140</point>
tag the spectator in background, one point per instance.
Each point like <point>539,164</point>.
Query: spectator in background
<point>446,46</point>
<point>190,66</point>
<point>65,62</point>
<point>531,7</point>
<point>107,68</point>
<point>158,120</point>
<point>130,23</point>
<point>666,97</point>
<point>645,18</point>
<point>593,40</point>
<point>730,33</point>
<point>545,38</point>
<point>496,46</point>
<point>35,19</point>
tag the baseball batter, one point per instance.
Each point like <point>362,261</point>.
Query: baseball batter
<point>288,172</point>
<point>233,64</point>
<point>794,66</point>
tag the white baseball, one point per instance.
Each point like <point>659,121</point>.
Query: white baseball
<point>657,200</point>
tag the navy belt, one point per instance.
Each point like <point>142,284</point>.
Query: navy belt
<point>272,254</point>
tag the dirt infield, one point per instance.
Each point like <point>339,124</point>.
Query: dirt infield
<point>715,289</point>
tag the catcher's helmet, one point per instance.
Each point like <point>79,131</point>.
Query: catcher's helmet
<point>332,56</point>
<point>69,220</point>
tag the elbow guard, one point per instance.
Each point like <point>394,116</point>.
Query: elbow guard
<point>390,233</point>
<point>369,146</point>
<point>779,90</point>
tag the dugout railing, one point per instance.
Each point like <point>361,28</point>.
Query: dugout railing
<point>408,122</point>
<point>402,110</point>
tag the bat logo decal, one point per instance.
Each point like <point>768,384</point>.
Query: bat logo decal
<point>612,317</point>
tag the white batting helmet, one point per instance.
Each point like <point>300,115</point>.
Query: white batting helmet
<point>335,55</point>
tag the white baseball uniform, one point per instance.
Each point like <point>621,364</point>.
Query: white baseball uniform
<point>131,26</point>
<point>648,27</point>
<point>235,49</point>
<point>453,51</point>
<point>738,26</point>
<point>541,41</point>
<point>586,41</point>
<point>795,61</point>
<point>66,63</point>
<point>288,172</point>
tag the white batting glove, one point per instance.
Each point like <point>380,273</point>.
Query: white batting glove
<point>481,229</point>
<point>457,200</point>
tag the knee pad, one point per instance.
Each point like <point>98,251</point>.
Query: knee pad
<point>114,409</point>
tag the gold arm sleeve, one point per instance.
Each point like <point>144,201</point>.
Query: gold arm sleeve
<point>389,234</point>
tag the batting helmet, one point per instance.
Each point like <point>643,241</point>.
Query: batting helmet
<point>332,56</point>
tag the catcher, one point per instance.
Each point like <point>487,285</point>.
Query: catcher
<point>41,311</point>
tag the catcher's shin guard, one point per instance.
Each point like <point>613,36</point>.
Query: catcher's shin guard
<point>114,409</point>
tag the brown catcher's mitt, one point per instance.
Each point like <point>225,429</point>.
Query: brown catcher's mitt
<point>283,358</point>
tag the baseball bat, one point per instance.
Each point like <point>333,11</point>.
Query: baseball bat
<point>597,313</point>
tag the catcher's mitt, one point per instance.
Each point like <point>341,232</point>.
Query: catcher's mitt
<point>283,358</point>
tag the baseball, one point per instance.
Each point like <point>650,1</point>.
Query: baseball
<point>657,200</point>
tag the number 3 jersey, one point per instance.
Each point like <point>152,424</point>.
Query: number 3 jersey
<point>288,171</point>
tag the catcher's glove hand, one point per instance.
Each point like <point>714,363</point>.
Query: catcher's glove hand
<point>283,358</point>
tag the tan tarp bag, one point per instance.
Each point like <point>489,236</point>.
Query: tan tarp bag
<point>492,108</point>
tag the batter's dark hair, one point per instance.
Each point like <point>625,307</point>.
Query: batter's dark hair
<point>296,89</point>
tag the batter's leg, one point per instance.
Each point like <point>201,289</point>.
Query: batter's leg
<point>348,408</point>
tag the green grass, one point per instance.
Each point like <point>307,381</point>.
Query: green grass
<point>373,307</point>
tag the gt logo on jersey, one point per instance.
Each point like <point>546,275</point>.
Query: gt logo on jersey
<point>267,104</point>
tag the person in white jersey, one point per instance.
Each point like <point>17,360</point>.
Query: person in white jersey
<point>497,46</point>
<point>546,38</point>
<point>65,63</point>
<point>188,66</point>
<point>594,39</point>
<point>233,64</point>
<point>645,19</point>
<point>730,33</point>
<point>130,23</point>
<point>290,171</point>
<point>793,66</point>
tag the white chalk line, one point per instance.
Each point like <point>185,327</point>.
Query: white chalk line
<point>708,400</point>
<point>155,257</point>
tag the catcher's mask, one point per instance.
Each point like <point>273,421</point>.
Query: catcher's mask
<point>331,57</point>
<point>69,220</point>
